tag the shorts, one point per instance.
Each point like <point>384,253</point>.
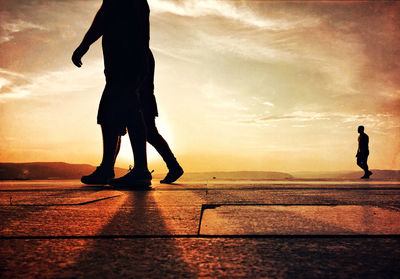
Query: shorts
<point>119,104</point>
<point>362,157</point>
<point>148,104</point>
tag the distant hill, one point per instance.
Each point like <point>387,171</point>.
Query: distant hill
<point>349,175</point>
<point>59,170</point>
<point>47,170</point>
<point>377,174</point>
<point>238,175</point>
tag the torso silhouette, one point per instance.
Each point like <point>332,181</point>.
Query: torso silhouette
<point>125,38</point>
<point>363,141</point>
<point>124,25</point>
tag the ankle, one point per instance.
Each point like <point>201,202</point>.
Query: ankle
<point>106,167</point>
<point>173,164</point>
<point>176,167</point>
<point>140,169</point>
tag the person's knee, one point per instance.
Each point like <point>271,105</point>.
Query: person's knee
<point>152,135</point>
<point>136,125</point>
<point>112,131</point>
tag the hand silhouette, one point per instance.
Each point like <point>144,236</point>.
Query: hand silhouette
<point>78,54</point>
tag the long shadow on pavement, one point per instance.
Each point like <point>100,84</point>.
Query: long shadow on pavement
<point>132,257</point>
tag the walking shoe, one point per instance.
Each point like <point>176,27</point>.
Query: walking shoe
<point>172,175</point>
<point>99,176</point>
<point>133,179</point>
<point>367,175</point>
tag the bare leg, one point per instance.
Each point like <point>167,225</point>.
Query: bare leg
<point>111,146</point>
<point>160,144</point>
<point>137,136</point>
<point>162,147</point>
<point>139,176</point>
<point>105,172</point>
<point>117,149</point>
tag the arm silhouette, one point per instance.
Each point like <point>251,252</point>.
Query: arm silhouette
<point>93,34</point>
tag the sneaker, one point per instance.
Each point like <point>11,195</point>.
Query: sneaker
<point>133,179</point>
<point>99,177</point>
<point>366,175</point>
<point>172,175</point>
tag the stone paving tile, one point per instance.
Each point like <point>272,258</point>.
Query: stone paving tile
<point>107,238</point>
<point>201,258</point>
<point>300,220</point>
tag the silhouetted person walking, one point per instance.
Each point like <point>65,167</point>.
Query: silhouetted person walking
<point>124,28</point>
<point>363,152</point>
<point>150,112</point>
<point>149,109</point>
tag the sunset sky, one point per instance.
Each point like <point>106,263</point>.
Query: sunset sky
<point>240,85</point>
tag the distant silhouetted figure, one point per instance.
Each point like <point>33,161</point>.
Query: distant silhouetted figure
<point>363,152</point>
<point>124,26</point>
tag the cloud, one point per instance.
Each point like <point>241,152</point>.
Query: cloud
<point>380,121</point>
<point>298,116</point>
<point>50,83</point>
<point>239,12</point>
<point>13,85</point>
<point>10,25</point>
<point>221,98</point>
<point>268,104</point>
<point>246,45</point>
<point>39,34</point>
<point>162,51</point>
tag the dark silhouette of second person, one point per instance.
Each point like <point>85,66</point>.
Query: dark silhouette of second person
<point>150,112</point>
<point>149,109</point>
<point>363,152</point>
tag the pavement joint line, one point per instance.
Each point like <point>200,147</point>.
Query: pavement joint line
<point>216,189</point>
<point>216,205</point>
<point>197,236</point>
<point>277,188</point>
<point>59,204</point>
<point>391,207</point>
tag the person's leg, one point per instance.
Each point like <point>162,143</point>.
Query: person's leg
<point>364,167</point>
<point>105,172</point>
<point>137,136</point>
<point>117,149</point>
<point>139,176</point>
<point>111,146</point>
<point>365,164</point>
<point>368,173</point>
<point>160,144</point>
<point>362,163</point>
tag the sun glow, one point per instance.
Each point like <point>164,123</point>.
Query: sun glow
<point>125,154</point>
<point>241,85</point>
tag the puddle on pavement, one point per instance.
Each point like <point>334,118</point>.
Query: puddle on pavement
<point>299,220</point>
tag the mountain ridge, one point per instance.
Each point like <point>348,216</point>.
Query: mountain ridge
<point>62,170</point>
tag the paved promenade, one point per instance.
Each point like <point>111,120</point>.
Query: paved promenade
<point>218,229</point>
